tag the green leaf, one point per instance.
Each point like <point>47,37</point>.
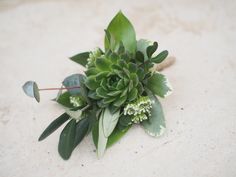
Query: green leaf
<point>142,45</point>
<point>109,121</point>
<point>101,92</point>
<point>95,134</point>
<point>134,78</point>
<point>116,135</point>
<point>125,120</point>
<point>102,139</point>
<point>101,75</point>
<point>81,130</point>
<point>114,93</point>
<point>133,94</point>
<point>120,101</point>
<point>132,68</point>
<point>91,83</point>
<point>81,58</point>
<point>67,140</point>
<point>159,85</point>
<point>139,56</point>
<point>72,81</point>
<point>103,64</point>
<point>91,115</point>
<point>160,57</point>
<point>92,71</point>
<point>151,49</point>
<point>141,74</point>
<point>64,100</point>
<point>155,124</point>
<point>54,126</point>
<point>31,89</point>
<point>121,30</point>
<point>109,100</point>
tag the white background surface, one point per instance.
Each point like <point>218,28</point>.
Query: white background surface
<point>37,37</point>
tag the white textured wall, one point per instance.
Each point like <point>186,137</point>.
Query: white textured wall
<point>36,37</point>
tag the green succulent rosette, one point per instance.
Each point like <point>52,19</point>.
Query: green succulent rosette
<point>118,89</point>
<point>113,79</point>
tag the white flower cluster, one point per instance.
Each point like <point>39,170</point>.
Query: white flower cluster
<point>76,101</point>
<point>92,56</point>
<point>139,109</point>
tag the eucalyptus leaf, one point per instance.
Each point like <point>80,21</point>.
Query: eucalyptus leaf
<point>81,58</point>
<point>155,124</point>
<point>31,89</point>
<point>67,140</point>
<point>72,81</point>
<point>54,126</point>
<point>122,30</point>
<point>159,85</point>
<point>109,121</point>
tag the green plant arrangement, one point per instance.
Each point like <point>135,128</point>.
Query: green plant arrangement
<point>117,90</point>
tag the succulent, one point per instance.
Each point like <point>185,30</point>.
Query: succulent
<point>114,78</point>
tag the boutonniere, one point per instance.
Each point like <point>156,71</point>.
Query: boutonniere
<point>117,90</point>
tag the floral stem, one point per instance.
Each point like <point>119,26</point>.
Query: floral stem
<point>62,88</point>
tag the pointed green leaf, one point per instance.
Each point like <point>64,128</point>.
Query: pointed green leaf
<point>81,58</point>
<point>109,121</point>
<point>114,93</point>
<point>120,101</point>
<point>102,139</point>
<point>81,130</point>
<point>54,126</point>
<point>116,135</point>
<point>103,64</point>
<point>134,78</point>
<point>67,140</point>
<point>101,92</point>
<point>160,57</point>
<point>101,75</point>
<point>159,85</point>
<point>95,134</point>
<point>92,71</point>
<point>133,94</point>
<point>109,100</point>
<point>155,124</point>
<point>31,89</point>
<point>91,83</point>
<point>122,31</point>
